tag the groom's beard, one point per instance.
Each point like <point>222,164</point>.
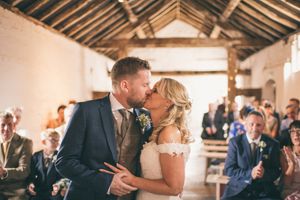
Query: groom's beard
<point>133,103</point>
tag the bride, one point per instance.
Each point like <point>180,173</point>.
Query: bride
<point>163,158</point>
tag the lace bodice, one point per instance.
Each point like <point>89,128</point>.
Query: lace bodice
<point>151,168</point>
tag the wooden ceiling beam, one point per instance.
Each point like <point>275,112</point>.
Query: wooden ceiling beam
<point>271,15</point>
<point>223,18</point>
<point>74,19</point>
<point>155,11</point>
<point>35,6</point>
<point>88,22</point>
<point>293,3</point>
<point>180,42</point>
<point>76,7</point>
<point>133,19</point>
<point>117,19</point>
<point>263,19</point>
<point>257,26</point>
<point>282,8</point>
<point>16,2</point>
<point>56,7</point>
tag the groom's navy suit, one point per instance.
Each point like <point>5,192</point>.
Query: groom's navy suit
<point>88,143</point>
<point>239,164</point>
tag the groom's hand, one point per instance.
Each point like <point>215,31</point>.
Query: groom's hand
<point>118,187</point>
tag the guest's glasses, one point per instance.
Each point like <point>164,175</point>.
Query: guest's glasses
<point>295,132</point>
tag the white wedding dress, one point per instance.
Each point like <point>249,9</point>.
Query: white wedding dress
<point>151,166</point>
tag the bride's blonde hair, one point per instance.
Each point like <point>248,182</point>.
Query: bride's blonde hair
<point>177,113</point>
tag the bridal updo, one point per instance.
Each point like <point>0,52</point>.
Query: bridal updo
<point>177,112</point>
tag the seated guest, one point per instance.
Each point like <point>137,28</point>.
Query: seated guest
<point>15,156</point>
<point>238,126</point>
<point>212,124</point>
<point>290,163</point>
<point>291,113</point>
<point>272,124</point>
<point>252,163</point>
<point>44,176</point>
<point>60,120</point>
<point>17,114</point>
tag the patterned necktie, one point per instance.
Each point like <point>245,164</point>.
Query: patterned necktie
<point>253,149</point>
<point>125,122</point>
<point>47,161</point>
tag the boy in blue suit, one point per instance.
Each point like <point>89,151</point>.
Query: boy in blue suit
<point>43,174</point>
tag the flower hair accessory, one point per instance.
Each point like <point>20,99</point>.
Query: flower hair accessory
<point>261,145</point>
<point>144,121</point>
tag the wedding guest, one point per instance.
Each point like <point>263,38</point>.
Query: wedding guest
<point>67,116</point>
<point>163,158</point>
<point>15,156</point>
<point>212,124</point>
<point>252,163</point>
<point>43,174</point>
<point>271,122</point>
<point>17,112</point>
<point>106,130</point>
<point>290,163</point>
<point>238,127</point>
<point>291,113</point>
<point>60,120</point>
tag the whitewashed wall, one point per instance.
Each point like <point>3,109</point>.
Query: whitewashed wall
<point>40,69</point>
<point>268,64</point>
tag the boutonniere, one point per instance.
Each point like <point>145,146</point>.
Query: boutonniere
<point>262,145</point>
<point>54,158</point>
<point>144,121</point>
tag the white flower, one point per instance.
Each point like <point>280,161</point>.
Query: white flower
<point>54,158</point>
<point>144,121</point>
<point>261,145</point>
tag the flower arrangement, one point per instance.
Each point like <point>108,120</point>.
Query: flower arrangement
<point>261,145</point>
<point>62,183</point>
<point>144,121</point>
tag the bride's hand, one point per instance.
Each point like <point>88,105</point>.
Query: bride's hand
<point>128,178</point>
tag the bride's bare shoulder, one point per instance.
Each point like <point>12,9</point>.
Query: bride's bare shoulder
<point>170,134</point>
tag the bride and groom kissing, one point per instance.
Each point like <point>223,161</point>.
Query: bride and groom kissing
<point>107,152</point>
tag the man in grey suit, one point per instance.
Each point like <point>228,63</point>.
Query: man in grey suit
<point>15,156</point>
<point>106,130</point>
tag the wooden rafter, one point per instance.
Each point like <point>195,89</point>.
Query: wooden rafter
<point>283,9</point>
<point>88,22</point>
<point>16,2</point>
<point>179,42</point>
<point>156,9</point>
<point>258,27</point>
<point>60,18</point>
<point>223,18</point>
<point>51,11</point>
<point>262,18</point>
<point>133,19</point>
<point>74,19</point>
<point>271,15</point>
<point>36,5</point>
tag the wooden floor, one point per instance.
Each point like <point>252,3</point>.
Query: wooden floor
<point>194,187</point>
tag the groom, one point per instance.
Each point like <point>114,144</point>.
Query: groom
<point>106,130</point>
<point>252,163</point>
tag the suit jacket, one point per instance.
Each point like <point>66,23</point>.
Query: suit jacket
<point>88,143</point>
<point>43,178</point>
<point>17,164</point>
<point>239,165</point>
<point>218,123</point>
